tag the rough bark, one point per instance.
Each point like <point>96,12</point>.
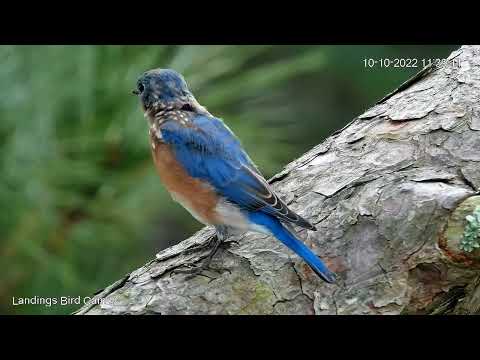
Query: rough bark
<point>387,194</point>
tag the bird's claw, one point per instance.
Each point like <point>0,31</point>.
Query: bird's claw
<point>199,247</point>
<point>213,242</point>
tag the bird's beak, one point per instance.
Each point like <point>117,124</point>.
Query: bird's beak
<point>135,92</point>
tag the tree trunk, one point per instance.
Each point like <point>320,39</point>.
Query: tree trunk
<point>388,193</point>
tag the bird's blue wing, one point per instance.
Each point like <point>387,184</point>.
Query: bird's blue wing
<point>209,151</point>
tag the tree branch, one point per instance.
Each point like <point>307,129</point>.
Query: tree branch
<point>388,194</point>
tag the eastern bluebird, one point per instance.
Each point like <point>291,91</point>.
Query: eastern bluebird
<point>204,167</point>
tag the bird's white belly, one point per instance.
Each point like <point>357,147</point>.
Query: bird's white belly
<point>230,215</point>
<point>226,214</point>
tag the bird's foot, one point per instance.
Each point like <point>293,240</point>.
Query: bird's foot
<point>199,247</point>
<point>214,243</point>
<point>200,270</point>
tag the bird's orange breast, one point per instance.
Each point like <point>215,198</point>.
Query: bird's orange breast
<point>196,196</point>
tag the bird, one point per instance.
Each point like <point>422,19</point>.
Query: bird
<point>205,168</point>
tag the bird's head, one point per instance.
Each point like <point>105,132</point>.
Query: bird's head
<point>165,89</point>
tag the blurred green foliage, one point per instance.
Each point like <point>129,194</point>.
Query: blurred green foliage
<point>81,202</point>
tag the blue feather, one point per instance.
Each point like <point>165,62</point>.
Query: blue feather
<point>209,151</point>
<point>292,242</point>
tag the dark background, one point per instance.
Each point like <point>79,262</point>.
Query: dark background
<point>81,202</point>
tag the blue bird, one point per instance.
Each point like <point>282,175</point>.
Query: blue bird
<point>205,168</point>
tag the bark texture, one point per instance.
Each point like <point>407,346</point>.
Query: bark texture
<point>388,194</point>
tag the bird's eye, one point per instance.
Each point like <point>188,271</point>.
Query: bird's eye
<point>138,90</point>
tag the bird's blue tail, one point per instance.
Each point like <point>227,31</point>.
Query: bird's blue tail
<point>286,237</point>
